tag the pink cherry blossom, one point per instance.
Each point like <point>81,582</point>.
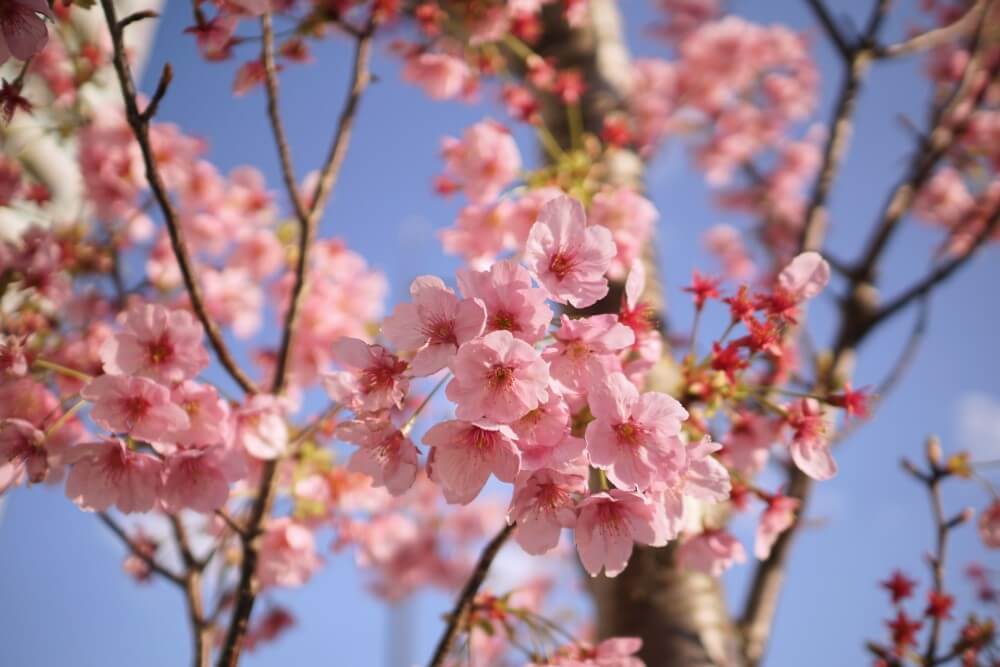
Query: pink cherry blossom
<point>776,519</point>
<point>548,422</point>
<point>465,453</point>
<point>747,445</point>
<point>209,416</point>
<point>560,451</point>
<point>481,232</point>
<point>376,379</point>
<point>612,652</point>
<point>633,436</point>
<point>805,276</point>
<point>442,76</point>
<point>384,453</point>
<point>484,161</point>
<point>434,325</point>
<point>498,378</point>
<point>161,344</point>
<point>585,351</point>
<point>109,473</point>
<point>610,522</point>
<point>12,359</point>
<point>134,405</point>
<point>630,217</point>
<point>566,256</point>
<point>543,504</point>
<point>989,525</point>
<point>712,552</point>
<point>261,427</point>
<point>704,477</point>
<point>810,445</point>
<point>23,447</point>
<point>512,303</point>
<point>22,30</point>
<point>193,478</point>
<point>287,554</point>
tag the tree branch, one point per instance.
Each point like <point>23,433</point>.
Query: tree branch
<point>140,128</point>
<point>246,591</point>
<point>468,594</point>
<point>139,553</point>
<point>830,27</point>
<point>936,37</point>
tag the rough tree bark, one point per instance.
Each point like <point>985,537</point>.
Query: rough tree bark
<point>681,617</point>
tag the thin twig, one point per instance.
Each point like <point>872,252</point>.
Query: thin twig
<point>937,36</point>
<point>138,552</point>
<point>140,128</point>
<point>468,594</point>
<point>830,26</point>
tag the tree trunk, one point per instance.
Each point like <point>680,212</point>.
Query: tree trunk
<point>680,616</point>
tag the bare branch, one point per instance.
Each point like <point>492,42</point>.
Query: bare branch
<point>468,594</point>
<point>166,76</point>
<point>140,128</point>
<point>830,27</point>
<point>938,36</point>
<point>138,552</point>
<point>137,16</point>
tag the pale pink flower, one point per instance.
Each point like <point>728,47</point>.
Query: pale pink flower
<point>384,453</point>
<point>287,554</point>
<point>442,76</point>
<point>633,436</point>
<point>704,477</point>
<point>568,257</point>
<point>109,473</point>
<point>810,446</point>
<point>610,522</point>
<point>194,478</point>
<point>376,380</point>
<point>726,243</point>
<point>484,161</point>
<point>560,451</point>
<point>498,378</point>
<point>23,447</point>
<point>481,232</point>
<point>209,415</point>
<point>161,344</point>
<point>22,30</point>
<point>512,303</point>
<point>233,298</point>
<point>585,349</point>
<point>776,519</point>
<point>989,525</point>
<point>612,652</point>
<point>547,423</point>
<point>748,443</point>
<point>712,552</point>
<point>261,427</point>
<point>434,325</point>
<point>630,217</point>
<point>543,504</point>
<point>260,254</point>
<point>805,276</point>
<point>134,405</point>
<point>464,454</point>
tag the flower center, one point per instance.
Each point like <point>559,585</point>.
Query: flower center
<point>560,265</point>
<point>500,377</point>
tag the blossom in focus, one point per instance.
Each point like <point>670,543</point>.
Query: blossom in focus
<point>134,405</point>
<point>609,523</point>
<point>158,343</point>
<point>464,454</point>
<point>110,473</point>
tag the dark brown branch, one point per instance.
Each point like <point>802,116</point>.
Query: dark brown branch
<point>137,16</point>
<point>936,37</point>
<point>138,552</point>
<point>140,128</point>
<point>246,591</point>
<point>166,76</point>
<point>200,627</point>
<point>830,27</point>
<point>457,616</point>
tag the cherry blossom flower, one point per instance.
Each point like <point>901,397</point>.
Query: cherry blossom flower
<point>193,478</point>
<point>484,161</point>
<point>161,344</point>
<point>12,359</point>
<point>805,276</point>
<point>498,378</point>
<point>22,30</point>
<point>23,446</point>
<point>989,525</point>
<point>287,554</point>
<point>810,447</point>
<point>464,454</point>
<point>209,416</point>
<point>712,552</point>
<point>633,436</point>
<point>776,519</point>
<point>376,380</point>
<point>440,75</point>
<point>568,257</point>
<point>612,652</point>
<point>384,453</point>
<point>134,405</point>
<point>584,351</point>
<point>434,325</point>
<point>547,423</point>
<point>109,473</point>
<point>261,428</point>
<point>609,523</point>
<point>512,303</point>
<point>630,217</point>
<point>543,504</point>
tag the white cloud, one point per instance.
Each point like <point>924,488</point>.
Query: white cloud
<point>978,429</point>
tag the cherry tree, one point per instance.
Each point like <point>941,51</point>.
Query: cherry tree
<point>165,339</point>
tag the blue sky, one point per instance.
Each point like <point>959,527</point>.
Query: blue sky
<point>66,601</point>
